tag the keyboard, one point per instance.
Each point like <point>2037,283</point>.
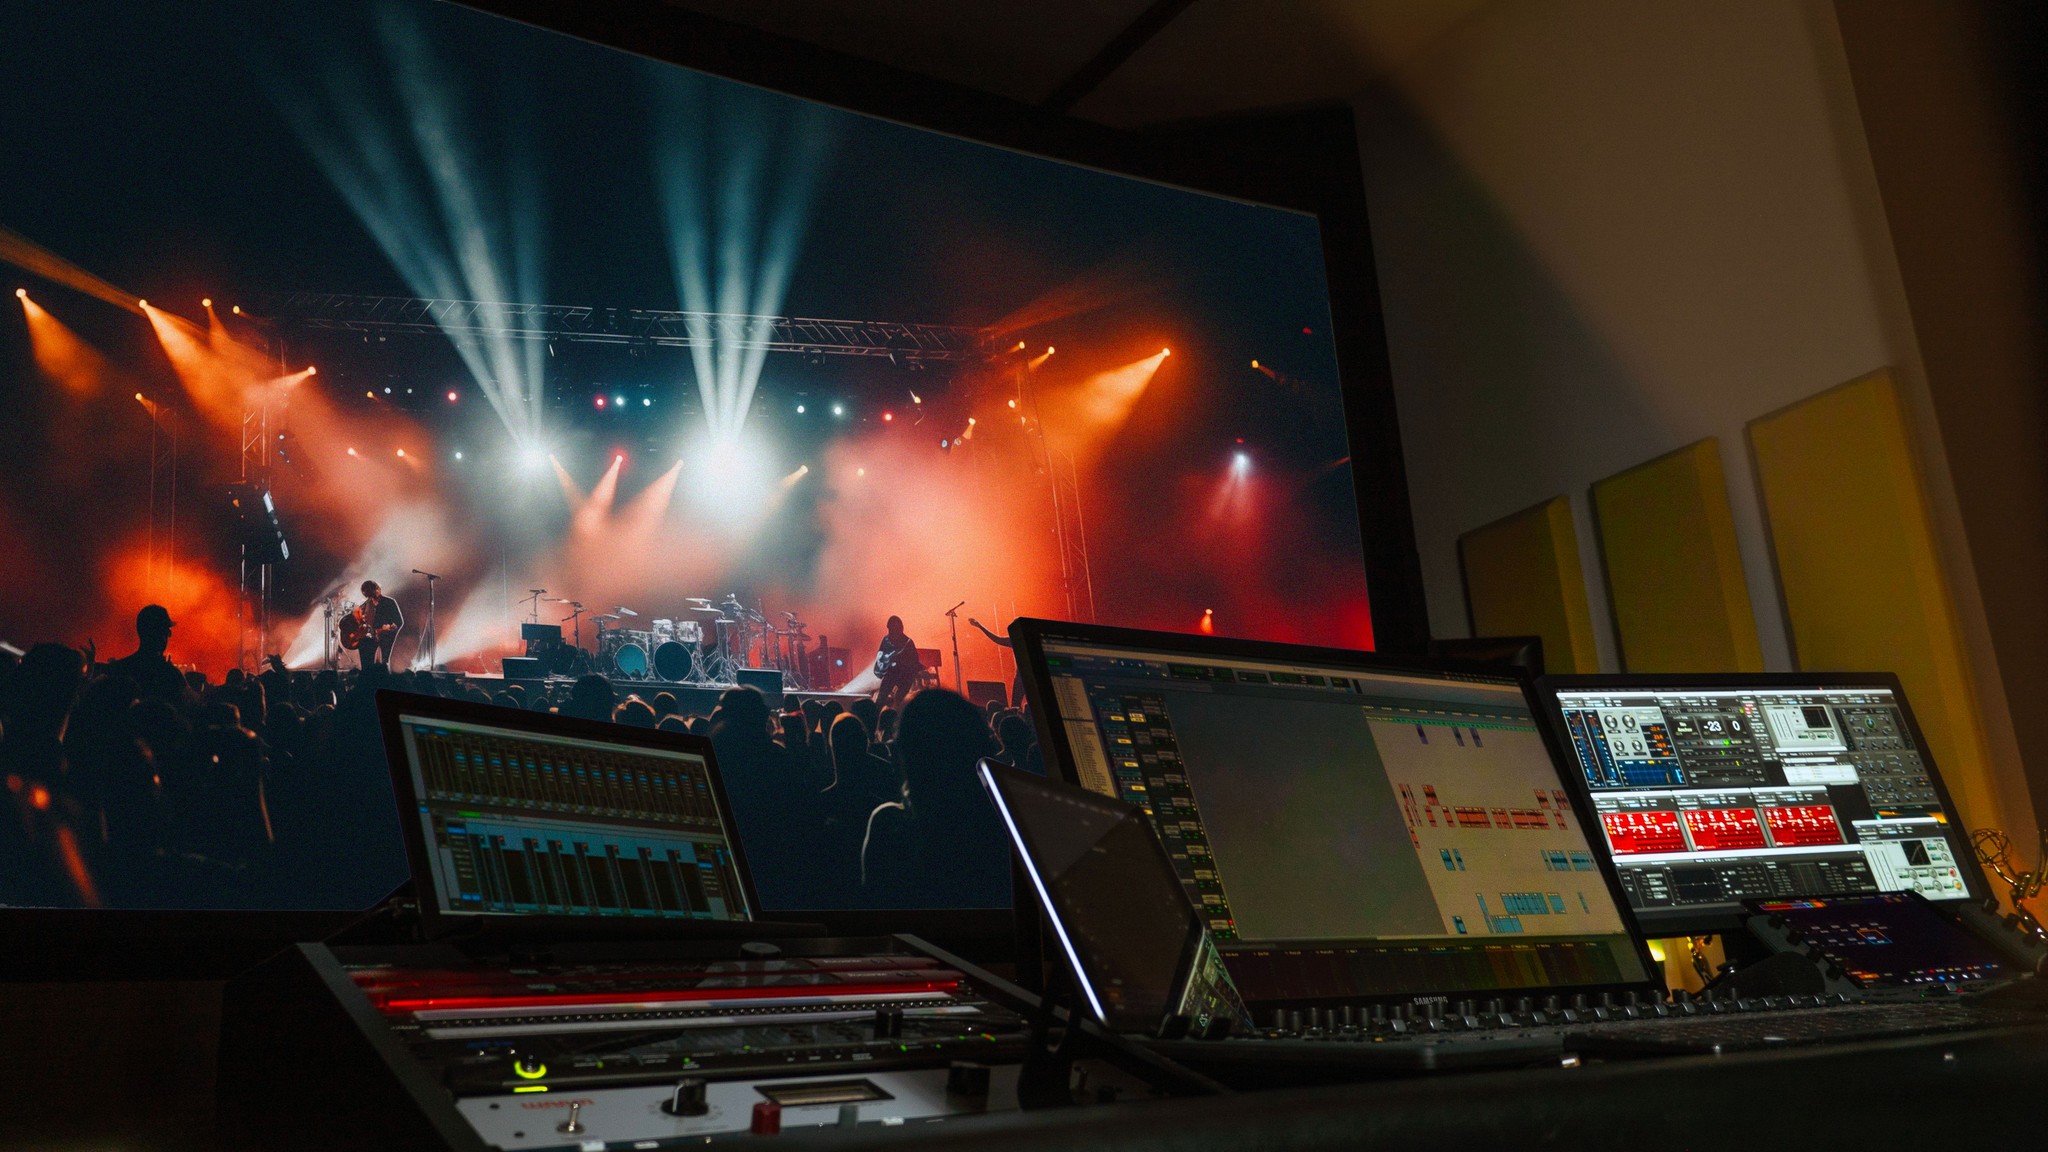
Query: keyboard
<point>1793,1025</point>
<point>1497,1033</point>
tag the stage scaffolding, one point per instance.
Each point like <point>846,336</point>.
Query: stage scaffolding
<point>898,342</point>
<point>593,324</point>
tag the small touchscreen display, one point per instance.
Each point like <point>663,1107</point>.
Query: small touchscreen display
<point>1136,946</point>
<point>1893,940</point>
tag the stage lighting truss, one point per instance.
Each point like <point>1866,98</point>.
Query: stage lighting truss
<point>910,344</point>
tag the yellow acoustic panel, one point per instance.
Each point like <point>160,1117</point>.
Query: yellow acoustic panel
<point>1863,585</point>
<point>1522,578</point>
<point>1674,571</point>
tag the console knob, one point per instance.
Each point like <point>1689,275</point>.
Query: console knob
<point>1294,1023</point>
<point>967,1078</point>
<point>888,1023</point>
<point>767,1119</point>
<point>527,1066</point>
<point>687,1099</point>
<point>1350,1018</point>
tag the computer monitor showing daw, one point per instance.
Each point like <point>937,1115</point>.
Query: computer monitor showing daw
<point>1351,827</point>
<point>510,813</point>
<point>1715,790</point>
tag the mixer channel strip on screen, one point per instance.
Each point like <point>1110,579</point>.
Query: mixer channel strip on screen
<point>1144,760</point>
<point>522,824</point>
<point>572,777</point>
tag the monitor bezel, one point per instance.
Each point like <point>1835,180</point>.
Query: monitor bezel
<point>437,924</point>
<point>1678,924</point>
<point>1028,636</point>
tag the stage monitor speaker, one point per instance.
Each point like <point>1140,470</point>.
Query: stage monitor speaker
<point>767,680</point>
<point>523,668</point>
<point>983,691</point>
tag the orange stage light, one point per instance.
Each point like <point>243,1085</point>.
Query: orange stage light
<point>206,303</point>
<point>352,452</point>
<point>64,356</point>
<point>237,309</point>
<point>401,453</point>
<point>1013,403</point>
<point>21,293</point>
<point>887,416</point>
<point>1166,351</point>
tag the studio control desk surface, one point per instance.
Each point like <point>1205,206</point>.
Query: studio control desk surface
<point>1983,1092</point>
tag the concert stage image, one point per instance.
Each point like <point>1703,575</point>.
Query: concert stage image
<point>590,365</point>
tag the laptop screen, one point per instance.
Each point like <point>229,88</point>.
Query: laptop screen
<point>1346,830</point>
<point>1710,793</point>
<point>519,821</point>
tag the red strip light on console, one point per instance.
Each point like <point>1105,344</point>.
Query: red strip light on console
<point>397,1004</point>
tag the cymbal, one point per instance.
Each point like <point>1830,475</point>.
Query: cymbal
<point>555,600</point>
<point>624,611</point>
<point>695,600</point>
<point>605,616</point>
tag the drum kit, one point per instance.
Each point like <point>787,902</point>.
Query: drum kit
<point>680,650</point>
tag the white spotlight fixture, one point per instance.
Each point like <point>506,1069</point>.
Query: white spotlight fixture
<point>839,409</point>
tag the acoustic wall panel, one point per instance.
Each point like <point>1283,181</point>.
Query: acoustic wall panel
<point>1674,571</point>
<point>1863,584</point>
<point>1522,578</point>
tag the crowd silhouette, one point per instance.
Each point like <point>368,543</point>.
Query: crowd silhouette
<point>135,784</point>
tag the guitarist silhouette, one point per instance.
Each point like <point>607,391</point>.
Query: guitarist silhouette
<point>373,627</point>
<point>897,665</point>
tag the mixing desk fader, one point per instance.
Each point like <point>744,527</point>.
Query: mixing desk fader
<point>640,1050</point>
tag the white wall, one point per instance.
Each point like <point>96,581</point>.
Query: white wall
<point>1606,229</point>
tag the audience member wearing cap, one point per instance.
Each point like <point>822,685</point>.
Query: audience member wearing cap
<point>154,675</point>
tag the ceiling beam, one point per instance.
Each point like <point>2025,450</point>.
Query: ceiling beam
<point>1121,47</point>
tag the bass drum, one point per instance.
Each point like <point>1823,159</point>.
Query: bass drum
<point>631,661</point>
<point>672,662</point>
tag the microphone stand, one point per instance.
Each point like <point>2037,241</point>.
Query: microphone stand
<point>953,615</point>
<point>427,641</point>
<point>533,594</point>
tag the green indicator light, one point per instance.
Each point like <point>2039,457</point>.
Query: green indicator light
<point>530,1088</point>
<point>529,1071</point>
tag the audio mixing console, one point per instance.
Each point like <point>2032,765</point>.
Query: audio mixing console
<point>634,1046</point>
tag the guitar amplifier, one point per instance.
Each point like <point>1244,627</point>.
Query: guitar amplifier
<point>523,668</point>
<point>831,667</point>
